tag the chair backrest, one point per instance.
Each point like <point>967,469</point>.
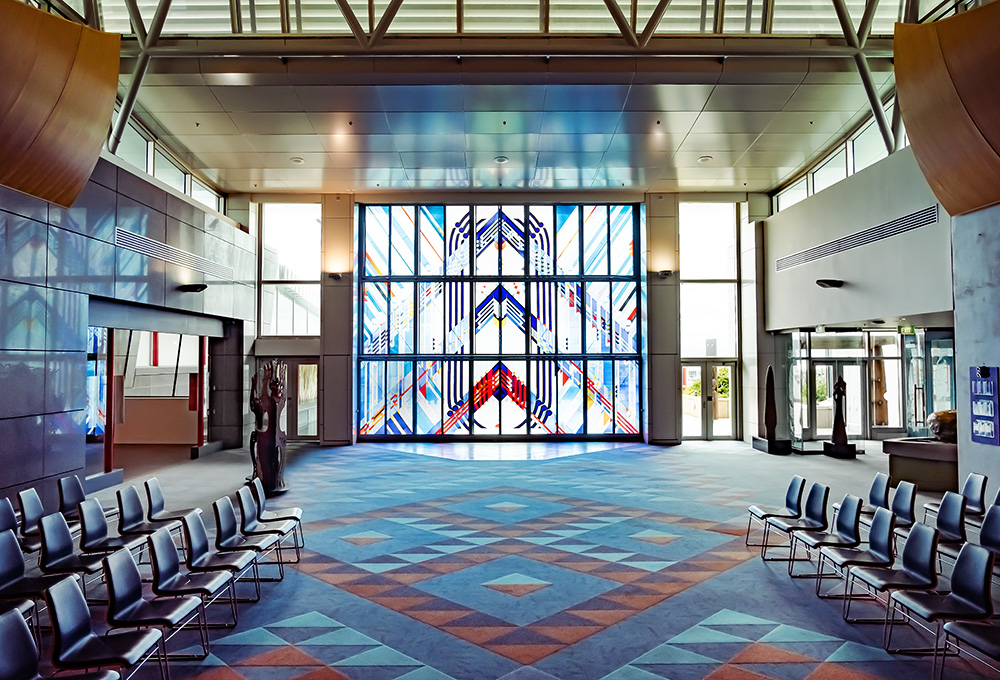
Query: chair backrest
<point>793,496</point>
<point>93,523</point>
<point>878,494</point>
<point>972,578</point>
<point>20,658</point>
<point>848,525</point>
<point>258,494</point>
<point>196,536</point>
<point>904,503</point>
<point>880,534</point>
<point>989,533</point>
<point>248,509</point>
<point>951,517</point>
<point>129,509</point>
<point>71,494</point>
<point>124,584</point>
<point>163,555</point>
<point>225,521</point>
<point>11,558</point>
<point>974,491</point>
<point>154,497</point>
<point>70,617</point>
<point>816,502</point>
<point>31,511</point>
<point>57,541</point>
<point>8,520</point>
<point>920,552</point>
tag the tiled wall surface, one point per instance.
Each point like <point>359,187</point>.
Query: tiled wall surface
<point>51,261</point>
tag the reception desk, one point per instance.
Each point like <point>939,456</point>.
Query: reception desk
<point>930,464</point>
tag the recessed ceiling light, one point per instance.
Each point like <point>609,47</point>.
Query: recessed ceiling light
<point>297,160</point>
<point>500,160</point>
<point>704,159</point>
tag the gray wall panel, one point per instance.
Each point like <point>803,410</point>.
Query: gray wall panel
<point>141,219</point>
<point>22,374</point>
<point>106,174</point>
<point>22,248</point>
<point>23,204</point>
<point>65,442</point>
<point>66,321</point>
<point>93,213</point>
<point>139,278</point>
<point>22,316</point>
<point>21,455</point>
<point>141,190</point>
<point>79,263</point>
<point>65,381</point>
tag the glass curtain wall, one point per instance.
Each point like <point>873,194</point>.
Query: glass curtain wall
<point>499,321</point>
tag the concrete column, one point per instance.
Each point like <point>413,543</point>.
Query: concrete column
<point>663,370</point>
<point>338,340</point>
<point>229,417</point>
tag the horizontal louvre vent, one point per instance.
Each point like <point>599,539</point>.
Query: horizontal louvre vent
<point>915,220</point>
<point>161,251</point>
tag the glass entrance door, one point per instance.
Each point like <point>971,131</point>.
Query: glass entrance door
<point>300,417</point>
<point>825,375</point>
<point>708,392</point>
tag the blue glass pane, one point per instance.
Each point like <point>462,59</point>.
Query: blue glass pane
<point>543,317</point>
<point>430,303</point>
<point>429,397</point>
<point>542,237</point>
<point>512,241</point>
<point>569,307</point>
<point>402,241</point>
<point>456,385</point>
<point>627,397</point>
<point>487,240</point>
<point>595,240</point>
<point>377,240</point>
<point>458,237</point>
<point>371,397</point>
<point>432,240</point>
<point>624,315</point>
<point>600,397</point>
<point>571,389</point>
<point>401,335</point>
<point>598,318</point>
<point>399,397</point>
<point>621,240</point>
<point>568,240</point>
<point>542,403</point>
<point>375,318</point>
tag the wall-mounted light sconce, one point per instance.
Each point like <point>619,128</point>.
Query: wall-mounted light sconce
<point>829,283</point>
<point>337,276</point>
<point>664,273</point>
<point>192,287</point>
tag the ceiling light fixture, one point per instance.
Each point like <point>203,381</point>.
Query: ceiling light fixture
<point>664,273</point>
<point>192,287</point>
<point>297,160</point>
<point>500,160</point>
<point>704,159</point>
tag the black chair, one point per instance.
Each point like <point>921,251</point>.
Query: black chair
<point>155,505</point>
<point>131,519</point>
<point>975,521</point>
<point>169,581</point>
<point>32,511</point>
<point>761,513</point>
<point>983,636</point>
<point>974,491</point>
<point>879,552</point>
<point>846,534</point>
<point>917,572</point>
<point>904,503</point>
<point>228,538</point>
<point>76,647</point>
<point>71,494</point>
<point>950,523</point>
<point>127,608</point>
<point>878,497</point>
<point>813,519</point>
<point>58,557</point>
<point>251,526</point>
<point>201,558</point>
<point>989,535</point>
<point>970,598</point>
<point>291,513</point>
<point>20,658</point>
<point>14,583</point>
<point>94,532</point>
<point>8,518</point>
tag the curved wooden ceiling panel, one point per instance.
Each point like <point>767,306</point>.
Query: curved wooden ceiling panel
<point>946,87</point>
<point>58,93</point>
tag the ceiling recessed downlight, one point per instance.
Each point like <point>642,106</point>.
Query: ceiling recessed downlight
<point>500,160</point>
<point>297,160</point>
<point>705,159</point>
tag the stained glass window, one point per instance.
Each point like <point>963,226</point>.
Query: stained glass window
<point>499,321</point>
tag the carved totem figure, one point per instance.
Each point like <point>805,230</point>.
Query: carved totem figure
<point>839,435</point>
<point>267,442</point>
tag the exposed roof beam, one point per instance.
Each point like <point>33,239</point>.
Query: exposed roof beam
<point>622,22</point>
<point>384,22</point>
<point>352,22</point>
<point>653,23</point>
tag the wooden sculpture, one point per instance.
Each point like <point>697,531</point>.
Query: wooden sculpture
<point>838,447</point>
<point>771,443</point>
<point>267,442</point>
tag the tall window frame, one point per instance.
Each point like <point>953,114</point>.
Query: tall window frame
<point>502,285</point>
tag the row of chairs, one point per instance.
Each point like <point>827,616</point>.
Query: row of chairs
<point>179,598</point>
<point>909,586</point>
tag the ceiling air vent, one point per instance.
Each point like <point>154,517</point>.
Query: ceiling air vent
<point>144,245</point>
<point>914,220</point>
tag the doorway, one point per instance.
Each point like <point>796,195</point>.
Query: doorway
<point>708,396</point>
<point>300,417</point>
<point>825,375</point>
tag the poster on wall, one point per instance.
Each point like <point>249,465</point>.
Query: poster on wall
<point>983,384</point>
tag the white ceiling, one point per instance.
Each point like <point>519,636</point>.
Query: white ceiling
<point>396,124</point>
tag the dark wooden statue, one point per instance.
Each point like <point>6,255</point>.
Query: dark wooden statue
<point>267,442</point>
<point>838,447</point>
<point>771,443</point>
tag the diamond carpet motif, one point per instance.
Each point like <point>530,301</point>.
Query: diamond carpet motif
<point>517,585</point>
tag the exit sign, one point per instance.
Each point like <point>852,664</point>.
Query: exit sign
<point>906,330</point>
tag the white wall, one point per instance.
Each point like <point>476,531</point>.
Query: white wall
<point>903,275</point>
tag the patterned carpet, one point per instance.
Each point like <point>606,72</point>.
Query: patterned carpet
<point>624,563</point>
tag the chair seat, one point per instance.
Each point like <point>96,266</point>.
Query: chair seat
<point>983,636</point>
<point>29,586</point>
<point>883,578</point>
<point>73,564</point>
<point>230,561</point>
<point>172,515</point>
<point>281,528</point>
<point>849,557</point>
<point>203,583</point>
<point>931,606</point>
<point>162,611</point>
<point>768,511</point>
<point>30,544</point>
<point>803,524</point>
<point>294,514</point>
<point>815,539</point>
<point>144,528</point>
<point>118,649</point>
<point>23,606</point>
<point>258,543</point>
<point>112,544</point>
